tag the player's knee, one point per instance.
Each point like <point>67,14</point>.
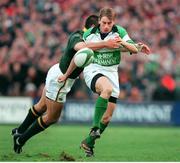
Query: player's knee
<point>49,119</point>
<point>107,92</point>
<point>40,105</point>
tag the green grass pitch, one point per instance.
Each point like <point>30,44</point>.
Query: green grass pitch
<point>116,144</point>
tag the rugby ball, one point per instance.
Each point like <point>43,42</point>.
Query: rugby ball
<point>83,57</point>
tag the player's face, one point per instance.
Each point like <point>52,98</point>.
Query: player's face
<point>105,24</point>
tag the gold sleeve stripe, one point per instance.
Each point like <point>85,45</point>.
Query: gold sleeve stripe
<point>40,124</point>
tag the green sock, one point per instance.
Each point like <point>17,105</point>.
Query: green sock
<point>100,108</point>
<point>102,127</point>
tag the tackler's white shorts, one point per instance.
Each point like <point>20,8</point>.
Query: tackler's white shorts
<point>54,90</point>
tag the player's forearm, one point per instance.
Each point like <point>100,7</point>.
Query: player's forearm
<point>123,49</point>
<point>130,47</point>
<point>71,68</point>
<point>91,45</point>
<point>96,45</point>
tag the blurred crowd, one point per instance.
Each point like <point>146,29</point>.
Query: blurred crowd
<point>34,33</point>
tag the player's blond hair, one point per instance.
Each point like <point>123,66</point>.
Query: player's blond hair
<point>108,12</point>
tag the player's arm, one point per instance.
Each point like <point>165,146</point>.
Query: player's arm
<point>140,46</point>
<point>70,69</point>
<point>111,43</point>
<point>129,46</point>
<point>125,40</point>
<point>94,46</point>
<point>77,47</point>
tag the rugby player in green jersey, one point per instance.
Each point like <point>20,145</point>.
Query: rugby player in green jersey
<point>101,76</point>
<point>48,110</point>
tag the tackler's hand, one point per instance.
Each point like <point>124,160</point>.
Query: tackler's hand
<point>62,78</point>
<point>112,43</point>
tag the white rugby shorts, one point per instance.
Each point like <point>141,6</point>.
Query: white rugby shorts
<point>94,69</point>
<point>54,90</point>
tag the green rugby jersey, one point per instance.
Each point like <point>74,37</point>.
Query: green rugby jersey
<point>69,53</point>
<point>107,57</point>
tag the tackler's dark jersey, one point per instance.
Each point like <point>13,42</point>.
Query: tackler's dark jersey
<point>69,53</point>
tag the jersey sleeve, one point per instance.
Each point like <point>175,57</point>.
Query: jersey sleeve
<point>124,35</point>
<point>75,38</point>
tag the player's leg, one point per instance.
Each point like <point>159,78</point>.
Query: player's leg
<point>102,126</point>
<point>34,112</point>
<point>112,101</point>
<point>107,116</point>
<point>52,115</point>
<point>102,86</point>
<point>55,98</point>
<point>113,79</point>
<point>105,119</point>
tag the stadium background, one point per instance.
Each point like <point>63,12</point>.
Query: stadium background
<point>33,35</point>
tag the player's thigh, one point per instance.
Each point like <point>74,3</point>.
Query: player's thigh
<point>53,109</point>
<point>114,78</point>
<point>102,84</point>
<point>41,105</point>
